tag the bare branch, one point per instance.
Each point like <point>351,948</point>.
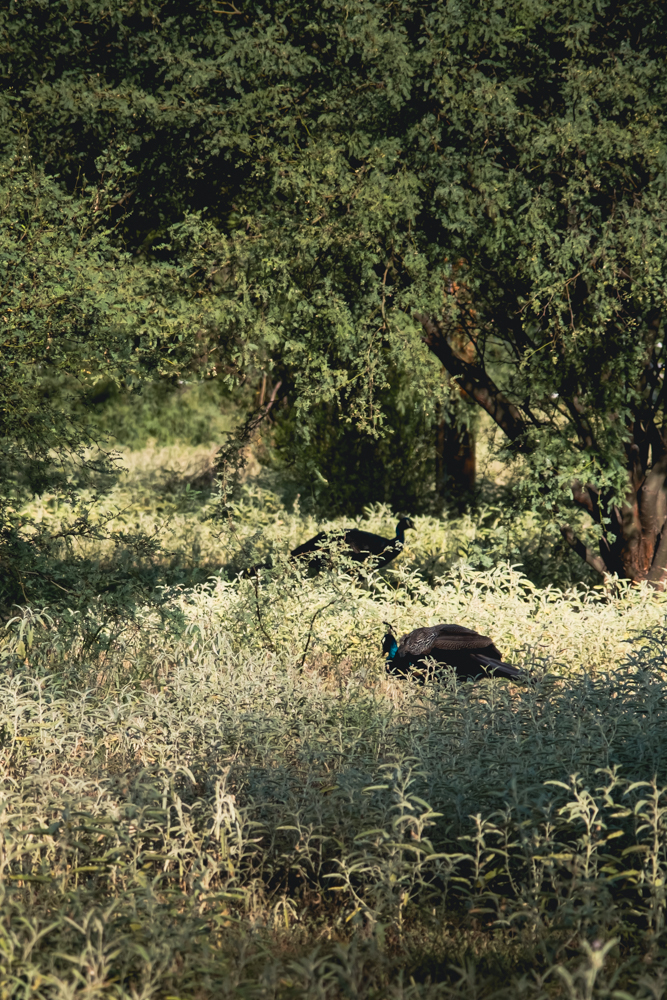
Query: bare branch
<point>310,630</point>
<point>582,495</point>
<point>260,620</point>
<point>231,459</point>
<point>578,413</point>
<point>583,551</point>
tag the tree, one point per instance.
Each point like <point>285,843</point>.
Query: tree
<point>354,183</point>
<point>75,310</point>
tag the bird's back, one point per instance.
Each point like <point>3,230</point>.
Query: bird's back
<point>366,542</point>
<point>313,544</point>
<point>424,641</point>
<point>359,545</point>
<point>471,654</point>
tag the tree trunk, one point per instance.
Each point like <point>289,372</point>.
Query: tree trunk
<point>634,536</point>
<point>455,462</point>
<point>633,545</point>
<point>455,458</point>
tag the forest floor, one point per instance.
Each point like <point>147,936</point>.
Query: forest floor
<point>223,794</point>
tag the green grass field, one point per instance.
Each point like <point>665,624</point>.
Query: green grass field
<point>223,795</point>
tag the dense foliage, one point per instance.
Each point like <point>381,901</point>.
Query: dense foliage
<point>323,174</point>
<point>76,310</point>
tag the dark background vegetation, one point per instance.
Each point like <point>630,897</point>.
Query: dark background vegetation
<point>375,210</point>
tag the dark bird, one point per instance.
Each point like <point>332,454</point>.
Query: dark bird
<point>472,655</point>
<point>358,545</point>
<point>250,572</point>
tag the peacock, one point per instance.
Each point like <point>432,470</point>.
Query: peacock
<point>472,655</point>
<point>358,545</point>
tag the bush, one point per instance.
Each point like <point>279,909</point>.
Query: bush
<point>221,792</point>
<point>199,813</point>
<point>342,469</point>
<point>193,414</point>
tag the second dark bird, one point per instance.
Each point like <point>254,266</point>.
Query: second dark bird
<point>472,655</point>
<point>358,545</point>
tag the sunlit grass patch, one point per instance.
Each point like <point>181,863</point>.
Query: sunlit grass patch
<point>222,793</point>
<point>240,810</point>
<point>165,493</point>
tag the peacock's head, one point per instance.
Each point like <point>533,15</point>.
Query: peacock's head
<point>389,644</point>
<point>402,526</point>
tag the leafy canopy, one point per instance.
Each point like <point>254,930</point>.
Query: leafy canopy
<point>305,188</point>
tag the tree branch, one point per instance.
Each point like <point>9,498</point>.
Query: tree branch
<point>582,495</point>
<point>657,575</point>
<point>578,413</point>
<point>476,383</point>
<point>597,562</point>
<point>231,460</point>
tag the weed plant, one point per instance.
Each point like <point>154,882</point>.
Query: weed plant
<point>226,796</point>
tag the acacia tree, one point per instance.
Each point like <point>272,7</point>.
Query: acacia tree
<point>357,185</point>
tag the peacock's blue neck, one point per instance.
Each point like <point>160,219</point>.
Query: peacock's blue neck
<point>400,534</point>
<point>391,652</point>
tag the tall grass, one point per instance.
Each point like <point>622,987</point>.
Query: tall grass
<point>226,796</point>
<point>165,492</point>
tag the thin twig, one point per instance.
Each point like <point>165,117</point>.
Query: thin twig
<point>266,635</point>
<point>231,457</point>
<point>310,630</point>
<point>234,9</point>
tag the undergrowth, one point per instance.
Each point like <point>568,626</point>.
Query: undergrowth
<point>222,794</point>
<point>239,825</point>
